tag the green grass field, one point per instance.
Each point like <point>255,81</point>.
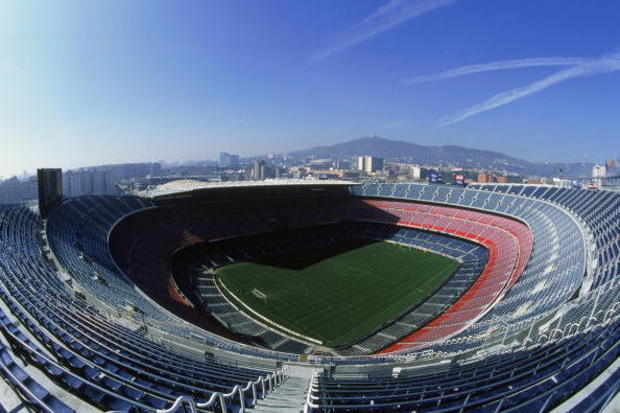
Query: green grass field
<point>341,293</point>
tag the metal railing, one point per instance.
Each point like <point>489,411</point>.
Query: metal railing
<point>221,402</point>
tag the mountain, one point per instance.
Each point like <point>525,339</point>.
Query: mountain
<point>447,155</point>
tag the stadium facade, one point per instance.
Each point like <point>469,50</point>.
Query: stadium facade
<point>114,301</point>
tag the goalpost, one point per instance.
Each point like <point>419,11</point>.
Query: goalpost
<point>258,293</point>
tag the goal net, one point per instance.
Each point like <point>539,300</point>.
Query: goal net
<point>258,293</point>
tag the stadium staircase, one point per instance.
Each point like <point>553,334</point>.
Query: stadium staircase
<point>290,396</point>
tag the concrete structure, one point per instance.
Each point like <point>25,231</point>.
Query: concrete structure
<point>76,183</point>
<point>599,171</point>
<point>228,160</point>
<point>50,189</point>
<point>103,180</point>
<point>189,185</point>
<point>14,190</point>
<point>418,173</point>
<point>610,164</point>
<point>260,170</point>
<point>369,164</point>
<point>485,178</point>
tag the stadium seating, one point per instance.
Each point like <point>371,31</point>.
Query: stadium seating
<point>530,322</point>
<point>532,380</point>
<point>88,354</point>
<point>535,369</point>
<point>598,209</point>
<point>547,269</point>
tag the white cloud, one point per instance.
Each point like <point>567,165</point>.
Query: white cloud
<point>388,16</point>
<point>499,65</point>
<point>606,64</point>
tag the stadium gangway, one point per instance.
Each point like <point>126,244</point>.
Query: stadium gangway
<point>187,404</point>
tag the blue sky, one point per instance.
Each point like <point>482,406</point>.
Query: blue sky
<point>85,83</point>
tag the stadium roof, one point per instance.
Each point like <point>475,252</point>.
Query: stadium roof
<point>190,185</point>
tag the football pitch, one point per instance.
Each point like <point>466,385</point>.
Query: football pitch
<point>337,294</point>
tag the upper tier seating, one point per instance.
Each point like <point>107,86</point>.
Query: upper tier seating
<point>598,209</point>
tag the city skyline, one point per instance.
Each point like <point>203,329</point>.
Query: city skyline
<point>100,83</point>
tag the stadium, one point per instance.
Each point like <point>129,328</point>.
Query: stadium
<point>314,296</point>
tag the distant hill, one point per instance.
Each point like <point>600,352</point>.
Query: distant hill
<point>448,155</point>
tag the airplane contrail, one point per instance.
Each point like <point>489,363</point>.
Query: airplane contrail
<point>606,64</point>
<point>386,17</point>
<point>499,65</point>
